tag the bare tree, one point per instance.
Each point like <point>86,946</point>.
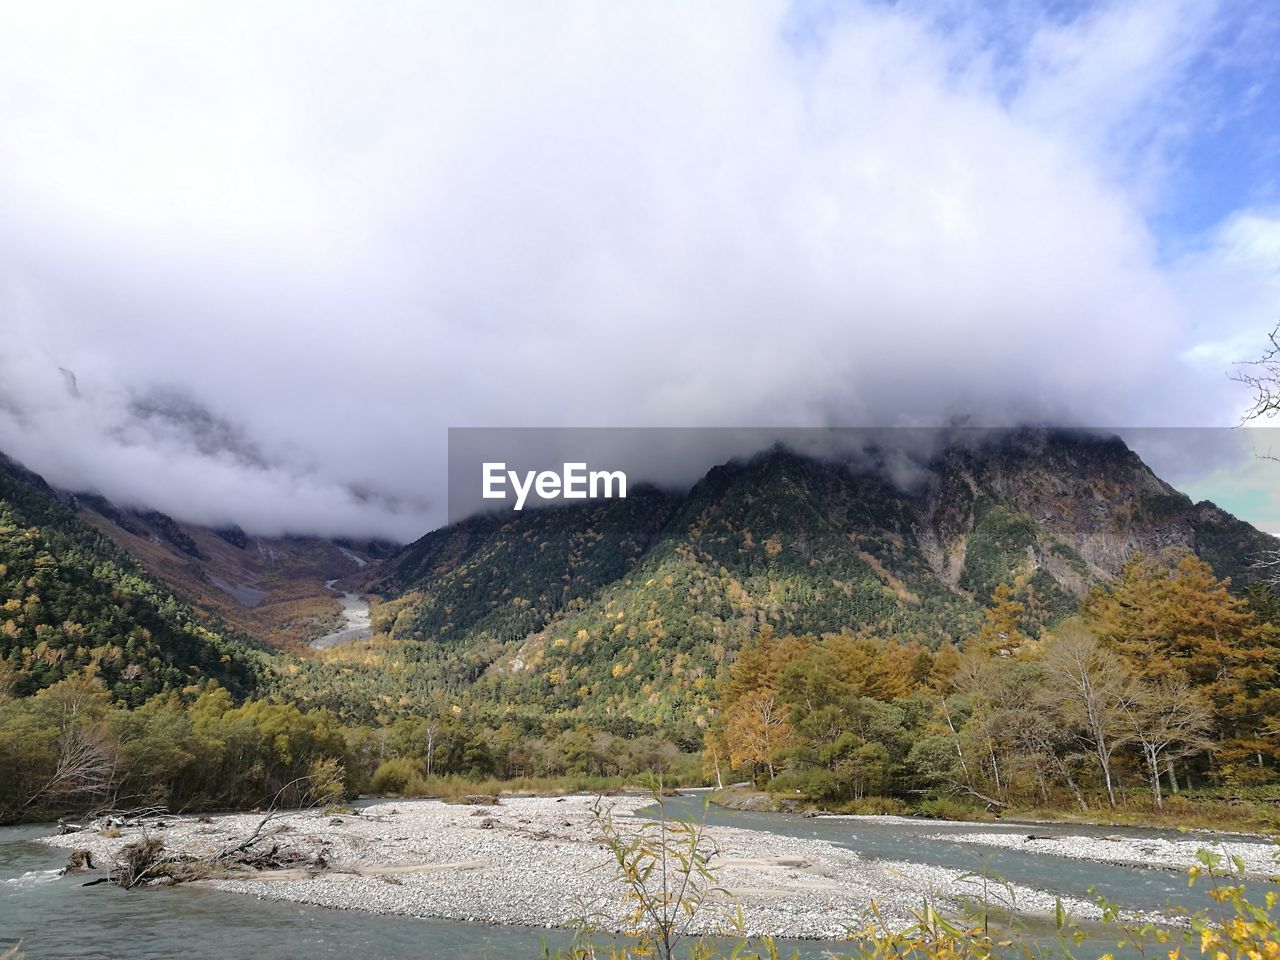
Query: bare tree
<point>980,679</point>
<point>1092,690</point>
<point>1046,747</point>
<point>1169,720</point>
<point>1262,376</point>
<point>430,734</point>
<point>86,766</point>
<point>945,710</point>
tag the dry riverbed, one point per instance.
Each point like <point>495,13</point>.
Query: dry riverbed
<point>542,862</point>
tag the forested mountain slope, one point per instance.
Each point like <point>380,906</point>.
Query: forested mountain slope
<point>70,599</point>
<point>631,607</point>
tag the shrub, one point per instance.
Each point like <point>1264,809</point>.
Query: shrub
<point>950,808</point>
<point>393,776</point>
<point>875,807</point>
<point>327,783</point>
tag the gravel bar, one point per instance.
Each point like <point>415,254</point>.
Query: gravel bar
<point>1259,859</point>
<point>541,861</point>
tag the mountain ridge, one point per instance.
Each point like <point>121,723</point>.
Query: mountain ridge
<point>635,606</point>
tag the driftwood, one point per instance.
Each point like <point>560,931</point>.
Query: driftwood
<point>993,805</point>
<point>252,839</point>
<point>147,861</point>
<point>154,817</point>
<point>490,823</point>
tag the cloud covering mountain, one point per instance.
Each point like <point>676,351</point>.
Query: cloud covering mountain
<point>255,259</point>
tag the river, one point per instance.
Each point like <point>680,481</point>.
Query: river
<point>355,611</point>
<point>56,918</point>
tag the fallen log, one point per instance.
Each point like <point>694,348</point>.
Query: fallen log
<point>146,861</point>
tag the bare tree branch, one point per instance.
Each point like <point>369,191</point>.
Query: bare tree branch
<point>1262,376</point>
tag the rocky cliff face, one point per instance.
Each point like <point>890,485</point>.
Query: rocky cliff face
<point>1081,506</point>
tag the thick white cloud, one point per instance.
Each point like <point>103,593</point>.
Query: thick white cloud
<point>318,235</point>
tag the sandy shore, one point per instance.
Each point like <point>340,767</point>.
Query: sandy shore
<point>541,862</point>
<point>1259,859</point>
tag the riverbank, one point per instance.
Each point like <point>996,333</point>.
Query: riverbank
<point>542,862</point>
<point>1245,817</point>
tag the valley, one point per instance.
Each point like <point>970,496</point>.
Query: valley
<point>594,481</point>
<point>843,643</point>
<point>274,589</point>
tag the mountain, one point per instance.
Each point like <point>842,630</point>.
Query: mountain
<point>71,598</point>
<point>279,590</point>
<point>625,610</point>
<point>630,608</point>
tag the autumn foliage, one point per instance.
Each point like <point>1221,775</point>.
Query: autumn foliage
<point>1164,681</point>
